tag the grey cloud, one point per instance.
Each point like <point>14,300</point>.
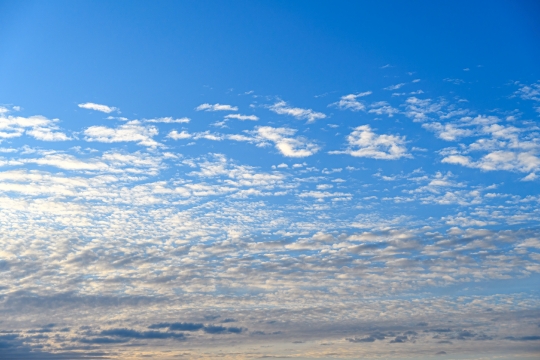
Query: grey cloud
<point>178,326</point>
<point>134,334</point>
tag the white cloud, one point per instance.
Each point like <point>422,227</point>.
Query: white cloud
<point>216,107</point>
<point>457,159</point>
<point>98,107</point>
<point>530,177</point>
<point>130,132</point>
<point>363,142</point>
<point>529,92</point>
<point>242,117</point>
<point>282,108</point>
<point>351,102</point>
<point>419,109</point>
<point>179,135</point>
<point>499,160</point>
<point>169,120</point>
<point>46,134</point>
<point>382,107</point>
<point>282,138</point>
<point>394,87</point>
<point>448,132</point>
<point>285,143</point>
<point>69,162</point>
<point>36,126</point>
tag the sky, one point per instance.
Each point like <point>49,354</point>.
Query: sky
<point>269,179</point>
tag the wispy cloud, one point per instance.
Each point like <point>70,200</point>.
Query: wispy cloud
<point>242,117</point>
<point>216,107</point>
<point>132,131</point>
<point>282,108</point>
<point>169,120</point>
<point>351,102</point>
<point>394,87</point>
<point>98,107</point>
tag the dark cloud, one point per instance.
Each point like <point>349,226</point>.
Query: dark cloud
<point>465,335</point>
<point>440,330</point>
<point>267,333</point>
<point>523,338</point>
<point>210,329</point>
<point>370,338</point>
<point>215,329</point>
<point>134,334</point>
<point>12,347</point>
<point>102,340</point>
<point>399,339</point>
<point>228,320</point>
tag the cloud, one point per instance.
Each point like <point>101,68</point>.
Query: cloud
<point>282,108</point>
<point>530,177</point>
<point>242,117</point>
<point>499,160</point>
<point>36,126</point>
<point>363,142</point>
<point>284,142</point>
<point>134,334</point>
<point>46,134</point>
<point>132,131</point>
<point>282,138</point>
<point>351,102</point>
<point>454,81</point>
<point>382,107</point>
<point>222,330</point>
<point>178,326</point>
<point>216,107</point>
<point>98,107</point>
<point>529,92</point>
<point>420,109</point>
<point>179,135</point>
<point>169,120</point>
<point>448,132</point>
<point>394,87</point>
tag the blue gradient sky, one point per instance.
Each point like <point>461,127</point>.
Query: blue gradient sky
<point>284,179</point>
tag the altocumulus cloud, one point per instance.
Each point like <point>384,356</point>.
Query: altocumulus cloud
<point>364,142</point>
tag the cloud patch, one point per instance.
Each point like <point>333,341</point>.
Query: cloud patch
<point>351,102</point>
<point>132,131</point>
<point>282,108</point>
<point>364,142</point>
<point>216,107</point>
<point>98,107</point>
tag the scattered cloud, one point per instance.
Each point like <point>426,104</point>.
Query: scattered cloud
<point>98,107</point>
<point>282,108</point>
<point>132,131</point>
<point>383,108</point>
<point>216,107</point>
<point>394,87</point>
<point>169,120</point>
<point>350,102</point>
<point>283,139</point>
<point>363,142</point>
<point>242,117</point>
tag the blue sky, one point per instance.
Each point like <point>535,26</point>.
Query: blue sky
<point>249,179</point>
